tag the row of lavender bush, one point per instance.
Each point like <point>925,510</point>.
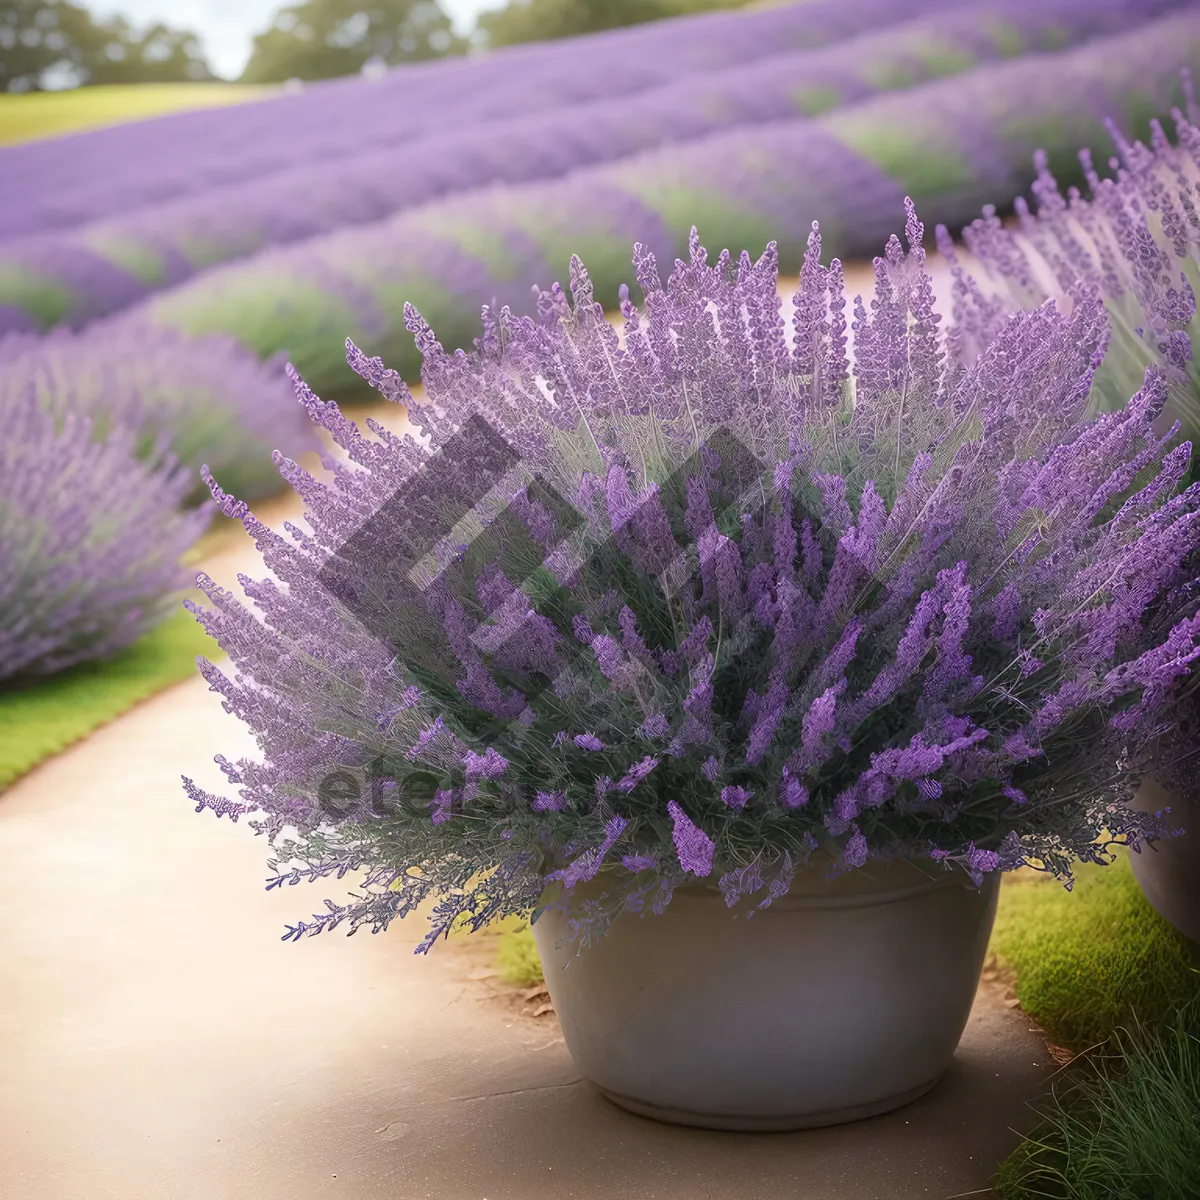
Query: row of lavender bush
<point>954,145</point>
<point>104,435</point>
<point>77,179</point>
<point>83,272</point>
<point>90,538</point>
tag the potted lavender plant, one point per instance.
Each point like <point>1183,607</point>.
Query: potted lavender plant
<point>1137,241</point>
<point>742,672</point>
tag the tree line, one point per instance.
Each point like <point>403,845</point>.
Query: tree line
<point>52,44</point>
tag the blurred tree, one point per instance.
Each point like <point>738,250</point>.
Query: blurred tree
<point>541,20</point>
<point>319,39</point>
<point>51,44</point>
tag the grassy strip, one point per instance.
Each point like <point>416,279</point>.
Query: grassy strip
<point>1093,959</point>
<point>1126,1125</point>
<point>1106,976</point>
<point>33,115</point>
<point>40,719</point>
<point>517,961</point>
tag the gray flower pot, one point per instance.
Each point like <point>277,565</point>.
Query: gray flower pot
<point>842,1000</point>
<point>1168,871</point>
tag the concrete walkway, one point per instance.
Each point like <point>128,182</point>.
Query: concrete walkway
<point>159,1042</point>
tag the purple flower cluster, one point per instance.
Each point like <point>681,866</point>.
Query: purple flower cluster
<point>953,143</point>
<point>905,607</point>
<point>211,398</point>
<point>90,539</point>
<point>105,265</point>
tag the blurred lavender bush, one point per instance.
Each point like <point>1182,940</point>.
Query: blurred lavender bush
<point>724,600</point>
<point>955,144</point>
<point>1136,238</point>
<point>82,272</point>
<point>211,399</point>
<point>90,538</point>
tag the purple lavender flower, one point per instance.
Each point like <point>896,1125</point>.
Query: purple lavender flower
<point>1134,238</point>
<point>735,797</point>
<point>855,852</point>
<point>694,847</point>
<point>488,765</point>
<point>634,863</point>
<point>637,773</point>
<point>588,741</point>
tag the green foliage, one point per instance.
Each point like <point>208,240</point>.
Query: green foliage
<point>1090,960</point>
<point>50,114</point>
<point>926,166</point>
<point>45,301</point>
<point>1007,38</point>
<point>812,101</point>
<point>269,311</point>
<point>544,20</point>
<point>57,44</point>
<point>142,261</point>
<point>517,960</point>
<point>320,39</point>
<point>1101,971</point>
<point>1130,1132</point>
<point>40,719</point>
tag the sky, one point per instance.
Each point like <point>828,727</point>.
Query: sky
<point>228,26</point>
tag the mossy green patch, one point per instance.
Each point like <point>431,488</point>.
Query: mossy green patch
<point>923,165</point>
<point>913,60</point>
<point>204,252</point>
<point>1055,37</point>
<point>39,719</point>
<point>46,301</point>
<point>720,220</point>
<point>812,101</point>
<point>267,312</point>
<point>1006,37</point>
<point>517,961</point>
<point>140,260</point>
<point>1088,960</point>
<point>479,242</point>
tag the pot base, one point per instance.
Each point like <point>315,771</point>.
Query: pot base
<point>773,1124</point>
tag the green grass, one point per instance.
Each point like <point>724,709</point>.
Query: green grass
<point>40,719</point>
<point>517,960</point>
<point>1090,960</point>
<point>1103,974</point>
<point>1125,1129</point>
<point>35,115</point>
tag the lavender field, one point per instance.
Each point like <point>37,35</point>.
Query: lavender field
<point>82,271</point>
<point>953,145</point>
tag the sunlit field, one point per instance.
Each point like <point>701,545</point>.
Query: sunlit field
<point>52,114</point>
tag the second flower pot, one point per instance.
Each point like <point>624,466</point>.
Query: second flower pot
<point>844,999</point>
<point>1168,870</point>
